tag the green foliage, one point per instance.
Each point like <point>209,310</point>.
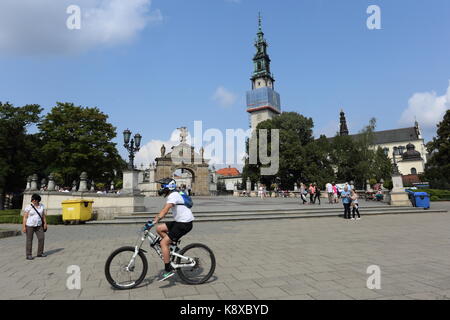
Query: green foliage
<point>15,217</point>
<point>20,154</point>
<point>59,179</point>
<point>303,159</point>
<point>388,184</point>
<point>100,186</point>
<point>437,171</point>
<point>11,216</point>
<point>355,160</point>
<point>436,194</point>
<point>54,220</point>
<point>11,219</point>
<point>78,139</point>
<point>13,212</point>
<point>118,184</point>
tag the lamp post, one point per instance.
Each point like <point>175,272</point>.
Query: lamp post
<point>132,146</point>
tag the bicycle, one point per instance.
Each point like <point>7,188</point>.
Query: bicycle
<point>189,263</point>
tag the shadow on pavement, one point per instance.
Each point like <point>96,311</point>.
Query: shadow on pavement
<point>54,251</point>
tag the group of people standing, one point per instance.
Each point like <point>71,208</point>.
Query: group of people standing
<point>350,201</point>
<point>348,195</point>
<point>313,191</point>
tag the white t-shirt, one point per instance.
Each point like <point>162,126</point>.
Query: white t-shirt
<point>180,212</point>
<point>33,218</point>
<point>329,188</point>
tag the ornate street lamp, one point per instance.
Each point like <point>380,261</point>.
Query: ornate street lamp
<point>132,146</point>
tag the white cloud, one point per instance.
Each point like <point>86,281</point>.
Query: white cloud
<point>224,97</point>
<point>152,150</point>
<point>428,108</point>
<point>30,27</point>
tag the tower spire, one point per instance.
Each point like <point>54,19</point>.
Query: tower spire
<point>262,77</point>
<point>259,22</point>
<point>344,128</point>
<point>263,102</point>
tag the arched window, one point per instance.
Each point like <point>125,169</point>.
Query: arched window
<point>413,171</point>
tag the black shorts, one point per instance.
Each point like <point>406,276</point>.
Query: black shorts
<point>178,229</point>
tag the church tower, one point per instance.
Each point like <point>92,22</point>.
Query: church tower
<point>263,102</point>
<point>343,130</point>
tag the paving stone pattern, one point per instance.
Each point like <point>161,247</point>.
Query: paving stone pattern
<point>277,259</point>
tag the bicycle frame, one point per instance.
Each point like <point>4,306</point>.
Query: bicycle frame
<point>152,238</point>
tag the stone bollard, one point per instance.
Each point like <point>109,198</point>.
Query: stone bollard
<point>92,186</point>
<point>28,183</point>
<point>74,186</point>
<point>83,182</point>
<point>34,185</point>
<point>51,183</point>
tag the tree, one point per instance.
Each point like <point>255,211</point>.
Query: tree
<point>356,160</point>
<point>382,166</point>
<point>437,170</point>
<point>318,167</point>
<point>301,158</point>
<point>77,139</point>
<point>20,154</point>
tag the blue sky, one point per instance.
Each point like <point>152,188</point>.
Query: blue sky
<point>166,63</point>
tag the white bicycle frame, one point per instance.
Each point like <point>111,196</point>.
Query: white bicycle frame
<point>152,238</point>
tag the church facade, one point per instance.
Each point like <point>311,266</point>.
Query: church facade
<point>405,146</point>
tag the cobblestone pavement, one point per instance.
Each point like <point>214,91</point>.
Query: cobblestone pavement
<point>284,259</point>
<point>223,203</point>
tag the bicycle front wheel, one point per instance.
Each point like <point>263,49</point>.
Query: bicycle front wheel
<point>123,273</point>
<point>205,264</point>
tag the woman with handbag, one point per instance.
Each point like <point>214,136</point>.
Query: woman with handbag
<point>34,222</point>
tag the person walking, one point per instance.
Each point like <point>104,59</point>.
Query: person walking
<point>346,201</point>
<point>335,192</point>
<point>316,193</point>
<point>261,192</point>
<point>311,192</point>
<point>34,221</point>
<point>329,188</point>
<point>303,192</point>
<point>355,205</point>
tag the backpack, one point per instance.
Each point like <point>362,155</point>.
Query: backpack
<point>187,200</point>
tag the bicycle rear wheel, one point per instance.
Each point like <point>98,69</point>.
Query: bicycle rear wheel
<point>120,274</point>
<point>204,267</point>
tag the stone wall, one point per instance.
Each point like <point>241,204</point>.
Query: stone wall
<point>105,206</point>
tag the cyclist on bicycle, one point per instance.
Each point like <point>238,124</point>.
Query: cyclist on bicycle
<point>172,231</point>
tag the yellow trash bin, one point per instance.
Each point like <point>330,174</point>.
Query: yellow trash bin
<point>76,210</point>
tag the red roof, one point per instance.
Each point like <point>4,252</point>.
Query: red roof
<point>229,172</point>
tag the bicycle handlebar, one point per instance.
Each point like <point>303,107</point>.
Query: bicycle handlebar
<point>148,226</point>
